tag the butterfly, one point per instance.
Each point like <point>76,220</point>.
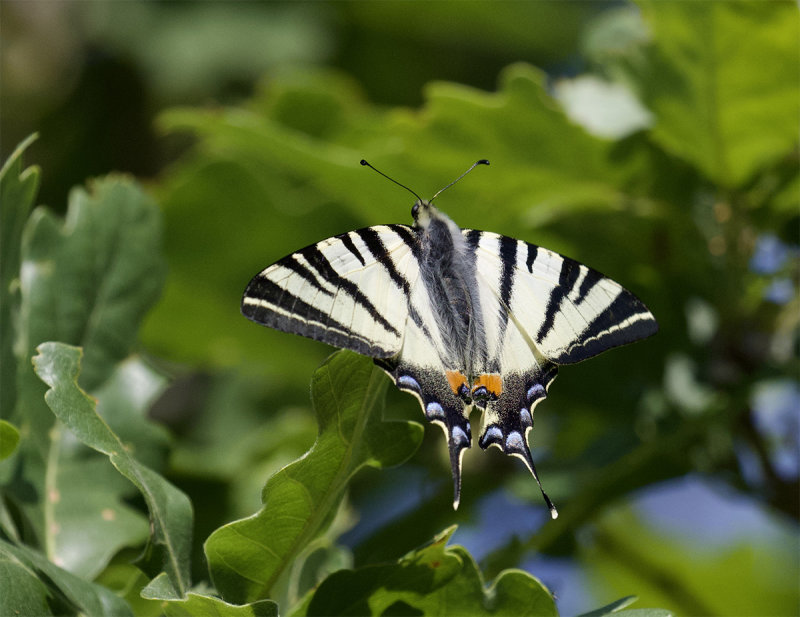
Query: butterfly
<point>457,317</point>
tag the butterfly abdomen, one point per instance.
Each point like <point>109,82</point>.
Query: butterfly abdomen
<point>448,270</point>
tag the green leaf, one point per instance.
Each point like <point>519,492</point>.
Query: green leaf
<point>18,188</point>
<point>433,580</point>
<point>616,608</point>
<point>35,586</point>
<point>127,581</point>
<point>90,279</point>
<point>58,365</point>
<point>86,523</point>
<point>87,279</point>
<point>9,438</point>
<point>646,612</point>
<point>723,82</point>
<point>247,557</point>
<point>124,400</point>
<point>21,590</point>
<point>613,607</point>
<point>198,604</point>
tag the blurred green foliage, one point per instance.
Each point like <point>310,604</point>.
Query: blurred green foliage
<point>665,164</point>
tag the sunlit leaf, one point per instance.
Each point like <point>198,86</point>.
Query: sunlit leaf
<point>431,580</point>
<point>199,604</point>
<point>247,557</point>
<point>9,438</point>
<point>723,83</point>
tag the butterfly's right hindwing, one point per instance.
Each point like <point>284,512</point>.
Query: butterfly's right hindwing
<point>349,291</point>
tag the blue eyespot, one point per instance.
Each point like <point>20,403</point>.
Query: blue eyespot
<point>408,381</point>
<point>434,410</point>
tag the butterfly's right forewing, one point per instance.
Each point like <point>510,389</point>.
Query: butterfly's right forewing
<point>349,291</point>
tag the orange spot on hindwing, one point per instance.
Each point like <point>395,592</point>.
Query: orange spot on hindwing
<point>487,386</point>
<point>458,383</point>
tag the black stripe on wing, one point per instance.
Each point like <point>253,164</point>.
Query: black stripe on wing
<point>277,308</point>
<point>308,307</point>
<point>321,264</point>
<point>624,318</point>
<point>570,270</point>
<point>350,245</point>
<point>609,329</point>
<point>508,255</point>
<point>377,249</point>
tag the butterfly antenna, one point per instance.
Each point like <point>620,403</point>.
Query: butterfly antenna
<point>363,162</point>
<point>474,165</point>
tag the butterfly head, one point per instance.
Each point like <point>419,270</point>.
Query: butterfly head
<point>424,212</point>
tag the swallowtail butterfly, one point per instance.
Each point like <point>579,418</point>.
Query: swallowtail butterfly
<point>457,317</point>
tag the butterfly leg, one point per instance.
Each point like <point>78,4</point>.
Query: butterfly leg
<point>443,399</point>
<point>509,418</point>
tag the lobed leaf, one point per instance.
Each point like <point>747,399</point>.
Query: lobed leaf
<point>199,604</point>
<point>58,365</point>
<point>86,280</point>
<point>247,557</point>
<point>90,279</point>
<point>723,82</point>
<point>433,580</point>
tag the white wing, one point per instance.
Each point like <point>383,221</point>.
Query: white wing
<point>350,291</point>
<point>542,310</point>
<point>568,311</point>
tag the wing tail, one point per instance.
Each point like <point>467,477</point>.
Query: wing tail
<point>441,405</point>
<point>509,419</point>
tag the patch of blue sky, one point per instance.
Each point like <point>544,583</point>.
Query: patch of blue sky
<point>775,404</point>
<point>770,255</point>
<point>501,516</point>
<point>703,512</point>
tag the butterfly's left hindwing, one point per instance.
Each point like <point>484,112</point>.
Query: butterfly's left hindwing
<point>350,291</point>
